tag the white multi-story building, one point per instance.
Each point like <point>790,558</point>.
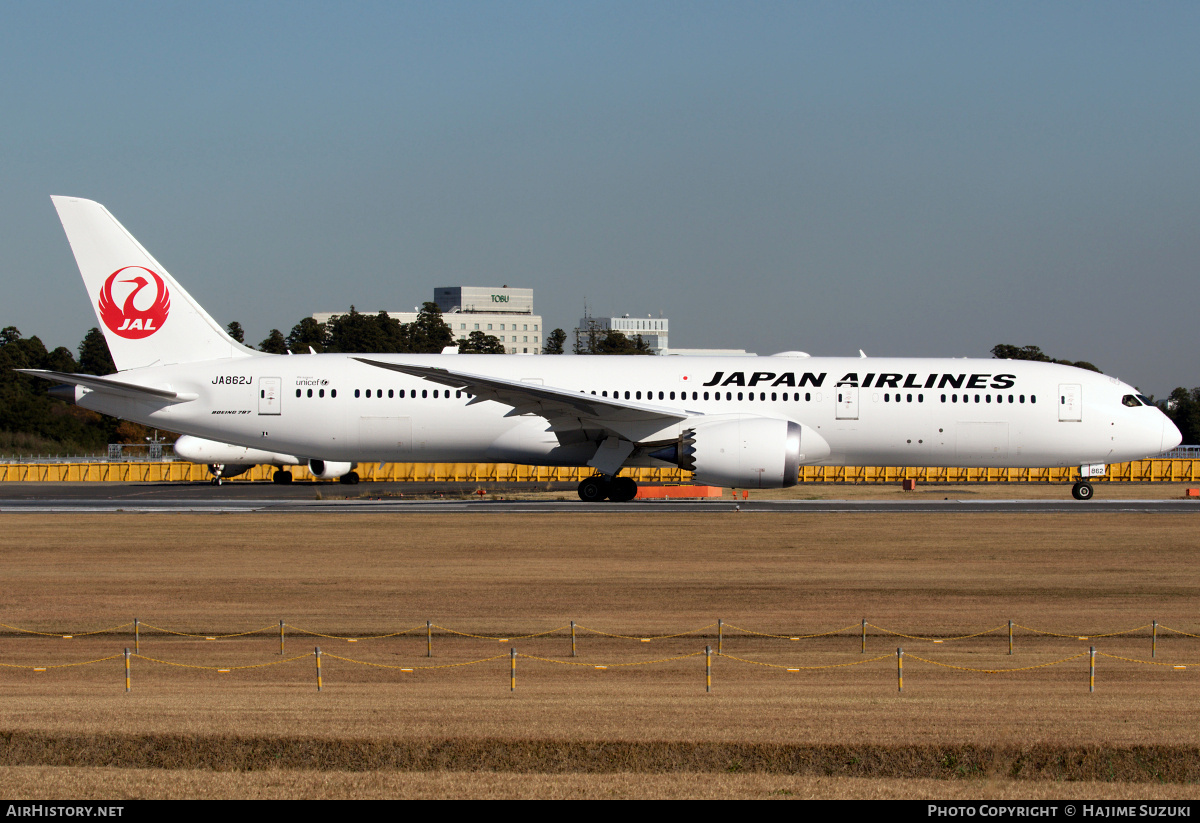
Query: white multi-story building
<point>652,329</point>
<point>506,314</point>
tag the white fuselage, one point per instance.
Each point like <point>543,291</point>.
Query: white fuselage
<point>867,411</point>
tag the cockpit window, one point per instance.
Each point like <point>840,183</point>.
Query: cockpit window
<point>1145,400</point>
<point>1130,401</point>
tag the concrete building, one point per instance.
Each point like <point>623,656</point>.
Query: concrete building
<point>654,331</point>
<point>503,312</point>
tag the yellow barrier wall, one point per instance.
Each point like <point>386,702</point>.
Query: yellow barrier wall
<point>1138,471</point>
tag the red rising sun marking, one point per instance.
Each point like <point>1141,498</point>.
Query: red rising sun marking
<point>128,320</point>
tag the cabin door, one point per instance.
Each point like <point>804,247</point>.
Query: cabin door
<point>1070,402</point>
<point>847,402</point>
<point>268,395</point>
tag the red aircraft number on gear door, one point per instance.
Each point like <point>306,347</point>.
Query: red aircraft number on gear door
<point>128,320</point>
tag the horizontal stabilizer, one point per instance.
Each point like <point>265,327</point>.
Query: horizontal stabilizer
<point>106,385</point>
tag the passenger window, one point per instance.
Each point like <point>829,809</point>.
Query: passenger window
<point>298,392</point>
<point>391,393</point>
<point>310,392</point>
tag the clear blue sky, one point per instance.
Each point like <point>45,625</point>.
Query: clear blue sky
<point>907,178</point>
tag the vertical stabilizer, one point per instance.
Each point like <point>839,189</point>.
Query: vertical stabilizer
<point>147,318</point>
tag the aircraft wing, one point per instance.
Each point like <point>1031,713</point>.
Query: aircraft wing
<point>109,386</point>
<point>563,409</point>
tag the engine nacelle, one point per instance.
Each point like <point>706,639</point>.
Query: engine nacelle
<point>745,452</point>
<point>200,450</point>
<point>327,469</point>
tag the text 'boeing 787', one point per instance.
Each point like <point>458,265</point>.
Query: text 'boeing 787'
<point>733,421</point>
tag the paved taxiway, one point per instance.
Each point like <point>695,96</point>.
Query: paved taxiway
<point>399,497</point>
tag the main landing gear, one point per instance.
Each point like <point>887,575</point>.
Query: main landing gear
<point>600,487</point>
<point>281,477</point>
<point>1082,490</point>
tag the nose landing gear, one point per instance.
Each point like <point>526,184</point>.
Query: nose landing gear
<point>1082,490</point>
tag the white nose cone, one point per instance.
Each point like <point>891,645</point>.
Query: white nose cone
<point>1170,436</point>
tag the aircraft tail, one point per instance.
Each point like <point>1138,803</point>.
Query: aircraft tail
<point>147,318</point>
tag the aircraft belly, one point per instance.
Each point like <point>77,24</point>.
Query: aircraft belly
<point>529,442</point>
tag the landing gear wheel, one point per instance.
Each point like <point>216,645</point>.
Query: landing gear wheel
<point>593,489</point>
<point>348,479</point>
<point>1082,491</point>
<point>216,481</point>
<point>281,477</point>
<point>622,490</point>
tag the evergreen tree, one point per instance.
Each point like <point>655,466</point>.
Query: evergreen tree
<point>555,342</point>
<point>479,342</point>
<point>353,332</point>
<point>305,334</point>
<point>274,344</point>
<point>1183,407</point>
<point>1005,351</point>
<point>236,331</point>
<point>594,340</point>
<point>428,333</point>
<point>94,356</point>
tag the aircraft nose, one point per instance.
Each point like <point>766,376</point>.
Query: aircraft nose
<point>1171,436</point>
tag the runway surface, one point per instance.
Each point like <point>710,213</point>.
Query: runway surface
<point>81,498</point>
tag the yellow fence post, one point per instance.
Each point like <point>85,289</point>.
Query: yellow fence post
<point>512,670</point>
<point>128,685</point>
<point>1092,670</point>
<point>900,669</point>
<point>708,668</point>
<point>318,655</point>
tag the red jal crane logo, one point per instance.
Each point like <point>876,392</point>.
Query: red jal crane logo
<point>128,320</point>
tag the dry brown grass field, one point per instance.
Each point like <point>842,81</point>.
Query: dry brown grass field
<point>837,728</point>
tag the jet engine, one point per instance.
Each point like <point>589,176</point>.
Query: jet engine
<point>745,452</point>
<point>328,470</point>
